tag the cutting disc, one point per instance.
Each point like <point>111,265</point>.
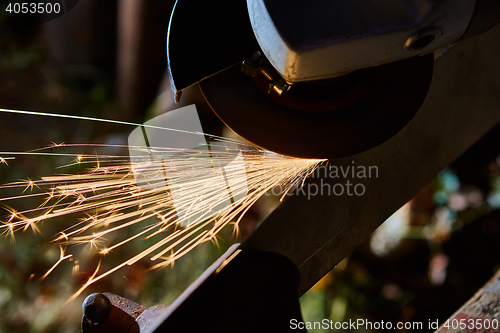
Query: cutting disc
<point>324,119</point>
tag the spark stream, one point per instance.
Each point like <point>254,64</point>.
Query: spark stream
<point>178,198</point>
<point>106,199</point>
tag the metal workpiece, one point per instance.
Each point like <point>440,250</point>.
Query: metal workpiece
<point>323,39</point>
<point>480,314</point>
<point>316,231</point>
<point>243,291</point>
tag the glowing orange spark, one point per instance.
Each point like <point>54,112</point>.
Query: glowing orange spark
<point>110,199</point>
<point>62,257</point>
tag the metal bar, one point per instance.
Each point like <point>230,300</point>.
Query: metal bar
<point>480,314</point>
<point>317,232</point>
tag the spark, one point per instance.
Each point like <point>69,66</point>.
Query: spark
<point>180,202</point>
<point>225,262</point>
<point>14,214</point>
<point>29,185</point>
<point>62,257</point>
<point>57,144</point>
<point>76,268</point>
<point>9,230</point>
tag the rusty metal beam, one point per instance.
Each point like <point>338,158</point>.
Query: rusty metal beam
<point>480,314</point>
